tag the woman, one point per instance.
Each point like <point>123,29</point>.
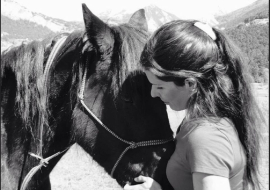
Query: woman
<point>195,67</point>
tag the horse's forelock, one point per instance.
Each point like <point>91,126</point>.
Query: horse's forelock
<point>129,45</point>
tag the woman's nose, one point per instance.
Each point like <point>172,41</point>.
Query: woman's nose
<point>154,92</point>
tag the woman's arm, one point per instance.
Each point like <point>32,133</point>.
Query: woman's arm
<point>203,181</point>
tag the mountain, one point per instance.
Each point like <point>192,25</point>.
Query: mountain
<point>257,10</point>
<point>17,12</point>
<point>154,15</point>
<point>18,24</point>
<point>157,17</point>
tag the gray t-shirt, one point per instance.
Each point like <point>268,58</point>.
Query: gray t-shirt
<point>207,146</point>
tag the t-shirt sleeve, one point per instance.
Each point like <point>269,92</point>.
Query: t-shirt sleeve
<point>209,151</point>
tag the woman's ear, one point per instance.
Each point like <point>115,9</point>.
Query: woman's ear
<point>191,84</point>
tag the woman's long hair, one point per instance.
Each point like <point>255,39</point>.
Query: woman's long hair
<point>179,50</point>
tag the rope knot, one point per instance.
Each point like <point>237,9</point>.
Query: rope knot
<point>80,96</point>
<point>44,162</point>
<point>133,145</point>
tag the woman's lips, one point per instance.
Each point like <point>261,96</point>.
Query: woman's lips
<point>164,101</point>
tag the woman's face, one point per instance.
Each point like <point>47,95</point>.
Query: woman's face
<point>171,94</point>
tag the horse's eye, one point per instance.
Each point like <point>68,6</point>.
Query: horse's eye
<point>127,99</point>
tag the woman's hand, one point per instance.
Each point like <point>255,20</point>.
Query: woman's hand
<point>148,184</point>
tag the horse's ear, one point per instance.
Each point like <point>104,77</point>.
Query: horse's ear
<point>138,20</point>
<point>97,30</point>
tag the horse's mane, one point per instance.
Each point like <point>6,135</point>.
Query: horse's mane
<point>25,64</point>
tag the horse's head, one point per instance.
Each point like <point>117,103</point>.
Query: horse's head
<point>115,89</point>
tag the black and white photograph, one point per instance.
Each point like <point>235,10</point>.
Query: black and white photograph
<point>134,95</point>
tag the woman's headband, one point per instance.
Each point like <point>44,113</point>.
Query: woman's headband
<point>207,29</point>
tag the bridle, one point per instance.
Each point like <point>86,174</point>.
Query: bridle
<point>132,145</point>
<point>45,161</point>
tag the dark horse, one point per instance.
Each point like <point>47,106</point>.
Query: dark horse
<point>42,113</point>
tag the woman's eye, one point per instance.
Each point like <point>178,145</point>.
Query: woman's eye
<point>159,88</point>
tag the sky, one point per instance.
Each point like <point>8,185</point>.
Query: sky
<point>70,10</point>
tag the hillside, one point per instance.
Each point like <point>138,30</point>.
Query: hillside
<point>248,27</point>
<point>18,13</point>
<point>18,24</point>
<point>259,9</point>
<point>253,39</point>
<point>22,29</point>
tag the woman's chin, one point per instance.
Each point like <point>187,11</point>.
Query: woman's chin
<point>175,108</point>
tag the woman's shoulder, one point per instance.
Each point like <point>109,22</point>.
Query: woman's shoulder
<point>207,125</point>
<point>208,132</point>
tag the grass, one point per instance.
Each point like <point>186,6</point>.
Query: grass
<point>77,170</point>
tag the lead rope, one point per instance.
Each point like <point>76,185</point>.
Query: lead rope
<point>44,161</point>
<point>132,145</point>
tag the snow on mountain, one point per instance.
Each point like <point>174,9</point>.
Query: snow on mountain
<point>15,11</point>
<point>20,24</point>
<point>154,15</point>
<point>157,17</point>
